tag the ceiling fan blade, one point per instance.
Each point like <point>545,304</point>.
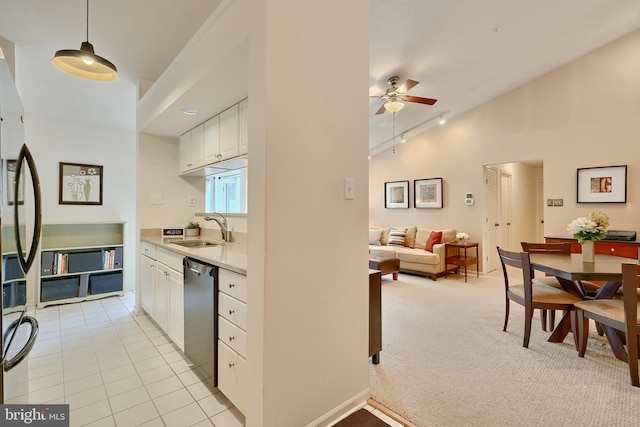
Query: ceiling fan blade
<point>375,96</point>
<point>381,110</point>
<point>406,86</point>
<point>419,100</point>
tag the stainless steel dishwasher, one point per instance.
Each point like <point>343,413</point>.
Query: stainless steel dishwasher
<point>201,318</point>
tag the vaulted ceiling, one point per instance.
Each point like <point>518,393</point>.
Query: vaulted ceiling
<point>462,53</point>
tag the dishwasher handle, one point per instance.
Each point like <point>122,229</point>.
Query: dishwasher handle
<point>197,268</point>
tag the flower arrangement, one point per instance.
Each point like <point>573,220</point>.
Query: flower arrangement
<point>594,227</point>
<point>462,237</point>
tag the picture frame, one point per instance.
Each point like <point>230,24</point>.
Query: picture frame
<point>80,184</point>
<point>427,193</point>
<point>10,178</point>
<point>603,184</point>
<point>396,195</point>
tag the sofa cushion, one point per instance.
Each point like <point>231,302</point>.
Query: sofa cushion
<point>410,237</point>
<point>397,237</point>
<point>374,236</point>
<point>417,256</point>
<point>434,238</point>
<point>449,235</point>
<point>384,238</point>
<point>383,251</point>
<point>422,235</point>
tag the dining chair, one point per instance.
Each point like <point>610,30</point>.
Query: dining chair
<point>622,315</point>
<point>531,295</point>
<point>560,248</point>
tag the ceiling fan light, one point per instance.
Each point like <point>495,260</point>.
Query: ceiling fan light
<point>393,106</point>
<point>403,139</point>
<point>442,120</point>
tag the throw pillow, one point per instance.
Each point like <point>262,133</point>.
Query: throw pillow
<point>374,236</point>
<point>397,237</point>
<point>434,238</point>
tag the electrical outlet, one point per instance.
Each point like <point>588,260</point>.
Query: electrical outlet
<point>157,199</point>
<point>348,189</point>
<point>192,201</point>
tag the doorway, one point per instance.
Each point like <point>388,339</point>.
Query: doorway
<point>514,208</point>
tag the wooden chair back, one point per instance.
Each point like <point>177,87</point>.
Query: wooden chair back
<point>630,283</point>
<point>557,248</point>
<point>518,260</point>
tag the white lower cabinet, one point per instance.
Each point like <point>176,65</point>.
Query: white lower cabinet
<point>162,287</point>
<point>232,337</point>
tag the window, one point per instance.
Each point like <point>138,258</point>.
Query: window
<point>227,192</point>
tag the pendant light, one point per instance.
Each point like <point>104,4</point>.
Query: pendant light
<point>85,63</point>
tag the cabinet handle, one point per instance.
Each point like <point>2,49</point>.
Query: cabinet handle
<point>231,365</point>
<point>232,338</point>
<point>231,311</point>
<point>613,249</point>
<point>232,285</point>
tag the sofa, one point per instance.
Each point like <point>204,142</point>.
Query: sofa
<point>420,250</point>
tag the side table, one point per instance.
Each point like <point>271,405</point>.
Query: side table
<point>462,259</point>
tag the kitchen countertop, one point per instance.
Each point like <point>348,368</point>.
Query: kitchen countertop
<point>231,256</point>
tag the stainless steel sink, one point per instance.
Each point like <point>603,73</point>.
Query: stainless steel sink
<point>197,243</point>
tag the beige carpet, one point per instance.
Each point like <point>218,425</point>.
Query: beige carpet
<point>446,362</point>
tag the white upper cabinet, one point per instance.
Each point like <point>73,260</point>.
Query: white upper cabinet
<point>192,149</point>
<point>229,132</point>
<point>212,140</point>
<point>243,144</point>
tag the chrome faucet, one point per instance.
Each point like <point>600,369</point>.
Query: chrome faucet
<point>222,222</point>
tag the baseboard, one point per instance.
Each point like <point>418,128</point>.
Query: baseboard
<point>343,410</point>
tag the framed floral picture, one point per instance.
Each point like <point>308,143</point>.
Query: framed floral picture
<point>396,194</point>
<point>80,184</point>
<point>427,193</point>
<point>605,184</point>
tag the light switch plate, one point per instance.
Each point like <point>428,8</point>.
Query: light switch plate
<point>348,189</point>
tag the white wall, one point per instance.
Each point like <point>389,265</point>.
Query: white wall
<point>307,263</point>
<point>583,114</point>
<point>54,140</point>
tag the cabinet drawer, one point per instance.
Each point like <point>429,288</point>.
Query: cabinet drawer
<point>232,336</point>
<point>233,284</point>
<point>169,258</point>
<point>149,250</point>
<point>233,310</point>
<point>232,380</point>
<point>627,250</point>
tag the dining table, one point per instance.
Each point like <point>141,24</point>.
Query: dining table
<point>570,270</point>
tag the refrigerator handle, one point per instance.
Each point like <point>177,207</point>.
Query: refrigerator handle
<point>25,264</point>
<point>24,351</point>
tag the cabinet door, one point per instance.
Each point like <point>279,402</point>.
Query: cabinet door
<point>212,140</point>
<point>197,146</point>
<point>176,308</point>
<point>229,133</point>
<point>147,285</point>
<point>185,152</point>
<point>232,380</point>
<point>243,147</point>
<point>161,307</point>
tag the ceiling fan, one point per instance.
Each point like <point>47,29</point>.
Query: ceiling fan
<point>396,96</point>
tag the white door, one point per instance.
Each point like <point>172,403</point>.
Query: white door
<point>539,211</point>
<point>491,237</point>
<point>505,212</point>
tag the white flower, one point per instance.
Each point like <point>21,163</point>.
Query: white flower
<point>462,236</point>
<point>593,227</point>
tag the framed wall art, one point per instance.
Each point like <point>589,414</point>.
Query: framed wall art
<point>396,194</point>
<point>427,193</point>
<point>605,184</point>
<point>80,184</point>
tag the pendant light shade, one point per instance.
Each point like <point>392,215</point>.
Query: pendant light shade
<point>84,63</point>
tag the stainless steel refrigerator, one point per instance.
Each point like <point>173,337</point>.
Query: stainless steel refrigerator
<point>20,225</point>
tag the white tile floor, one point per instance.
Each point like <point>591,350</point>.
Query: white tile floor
<point>114,369</point>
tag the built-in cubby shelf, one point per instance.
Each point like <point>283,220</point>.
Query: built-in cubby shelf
<point>14,284</point>
<point>80,262</point>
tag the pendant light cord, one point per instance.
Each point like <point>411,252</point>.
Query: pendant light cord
<point>87,20</point>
